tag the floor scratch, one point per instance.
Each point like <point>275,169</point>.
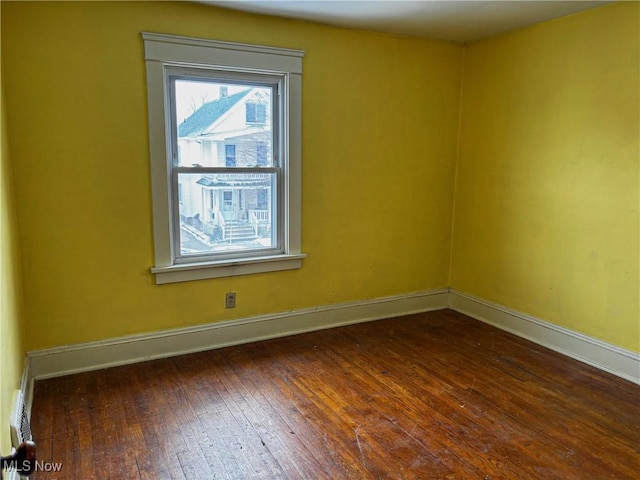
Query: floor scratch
<point>470,392</point>
<point>410,434</point>
<point>355,430</point>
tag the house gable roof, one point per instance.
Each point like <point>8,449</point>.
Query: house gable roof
<point>207,114</point>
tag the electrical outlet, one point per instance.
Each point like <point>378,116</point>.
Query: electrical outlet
<point>230,300</point>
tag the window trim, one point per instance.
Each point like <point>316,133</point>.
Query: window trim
<point>162,51</point>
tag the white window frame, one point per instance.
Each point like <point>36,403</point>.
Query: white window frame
<point>164,52</point>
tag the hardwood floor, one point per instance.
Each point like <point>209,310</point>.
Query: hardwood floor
<point>429,396</point>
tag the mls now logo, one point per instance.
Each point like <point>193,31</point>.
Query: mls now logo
<point>33,466</point>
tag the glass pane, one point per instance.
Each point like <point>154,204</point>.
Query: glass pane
<point>224,213</point>
<point>223,125</point>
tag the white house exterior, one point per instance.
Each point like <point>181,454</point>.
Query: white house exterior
<point>232,131</point>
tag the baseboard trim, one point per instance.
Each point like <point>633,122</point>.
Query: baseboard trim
<point>26,386</point>
<point>83,357</point>
<point>602,355</point>
<point>59,361</point>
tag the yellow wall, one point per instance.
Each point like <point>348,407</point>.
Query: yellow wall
<point>11,326</point>
<point>546,216</point>
<point>380,117</point>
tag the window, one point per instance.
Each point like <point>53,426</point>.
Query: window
<point>224,130</point>
<point>256,112</point>
<point>230,155</point>
<point>261,154</point>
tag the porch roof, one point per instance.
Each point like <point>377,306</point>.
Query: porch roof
<point>234,183</point>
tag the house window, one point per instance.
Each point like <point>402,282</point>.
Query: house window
<point>262,199</point>
<point>208,92</point>
<point>261,154</point>
<point>229,155</point>
<point>256,112</point>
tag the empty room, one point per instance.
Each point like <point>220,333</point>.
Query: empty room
<point>320,240</point>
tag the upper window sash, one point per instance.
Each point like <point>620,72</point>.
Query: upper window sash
<point>261,80</point>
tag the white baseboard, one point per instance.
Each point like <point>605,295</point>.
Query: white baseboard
<point>83,357</point>
<point>77,358</point>
<point>602,355</point>
<point>26,386</point>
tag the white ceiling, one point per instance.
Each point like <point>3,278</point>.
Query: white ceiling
<point>454,20</point>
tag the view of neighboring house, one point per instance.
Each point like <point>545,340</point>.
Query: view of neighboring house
<point>227,210</point>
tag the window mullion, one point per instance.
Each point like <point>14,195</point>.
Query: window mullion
<point>225,170</point>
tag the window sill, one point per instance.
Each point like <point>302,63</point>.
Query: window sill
<point>187,272</point>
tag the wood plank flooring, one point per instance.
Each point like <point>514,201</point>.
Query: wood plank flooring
<point>430,396</point>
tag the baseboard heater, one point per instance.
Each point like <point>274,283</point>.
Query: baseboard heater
<point>22,461</point>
